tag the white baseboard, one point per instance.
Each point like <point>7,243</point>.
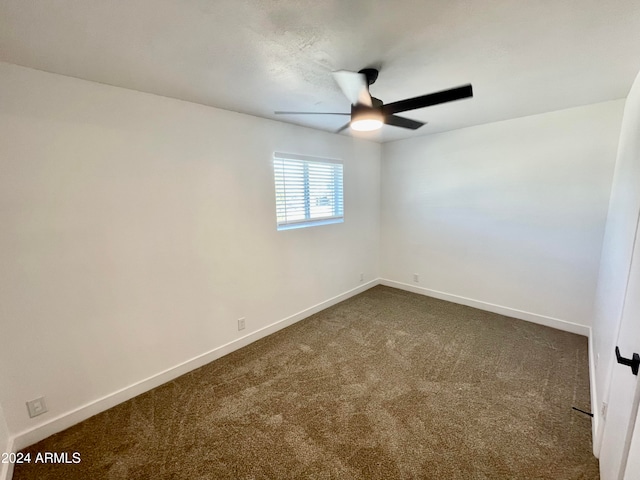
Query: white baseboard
<point>595,403</point>
<point>6,469</point>
<point>68,419</point>
<point>490,307</point>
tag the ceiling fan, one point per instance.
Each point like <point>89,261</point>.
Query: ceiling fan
<point>369,113</point>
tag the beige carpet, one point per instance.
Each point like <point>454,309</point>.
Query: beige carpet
<point>387,384</point>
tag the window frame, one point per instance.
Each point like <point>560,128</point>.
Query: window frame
<point>337,191</point>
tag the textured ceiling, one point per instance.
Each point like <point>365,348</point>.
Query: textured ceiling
<point>257,56</point>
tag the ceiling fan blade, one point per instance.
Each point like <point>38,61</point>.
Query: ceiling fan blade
<point>343,127</point>
<point>428,100</point>
<point>354,86</point>
<point>402,122</point>
<point>311,113</point>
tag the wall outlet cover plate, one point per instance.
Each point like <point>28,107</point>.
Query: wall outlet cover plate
<point>36,407</point>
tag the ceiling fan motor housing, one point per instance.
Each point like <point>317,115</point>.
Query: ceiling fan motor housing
<point>360,109</point>
<point>371,74</point>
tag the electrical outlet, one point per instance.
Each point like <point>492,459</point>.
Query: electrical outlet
<point>416,277</point>
<point>603,410</point>
<point>362,277</point>
<point>241,323</point>
<point>36,407</point>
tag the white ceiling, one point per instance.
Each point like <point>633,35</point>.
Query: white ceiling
<point>257,56</point>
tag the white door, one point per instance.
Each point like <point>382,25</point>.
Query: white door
<point>622,407</point>
<point>632,472</point>
<point>620,445</point>
<point>631,326</point>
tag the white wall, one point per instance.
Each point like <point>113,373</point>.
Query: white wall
<point>137,229</point>
<point>617,248</point>
<point>508,215</point>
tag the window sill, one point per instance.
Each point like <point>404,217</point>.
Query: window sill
<point>312,223</point>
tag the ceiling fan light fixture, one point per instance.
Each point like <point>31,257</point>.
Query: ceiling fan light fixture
<point>367,120</point>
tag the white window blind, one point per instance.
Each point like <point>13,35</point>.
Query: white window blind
<point>308,190</point>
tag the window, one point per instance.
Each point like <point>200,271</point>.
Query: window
<point>308,191</point>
